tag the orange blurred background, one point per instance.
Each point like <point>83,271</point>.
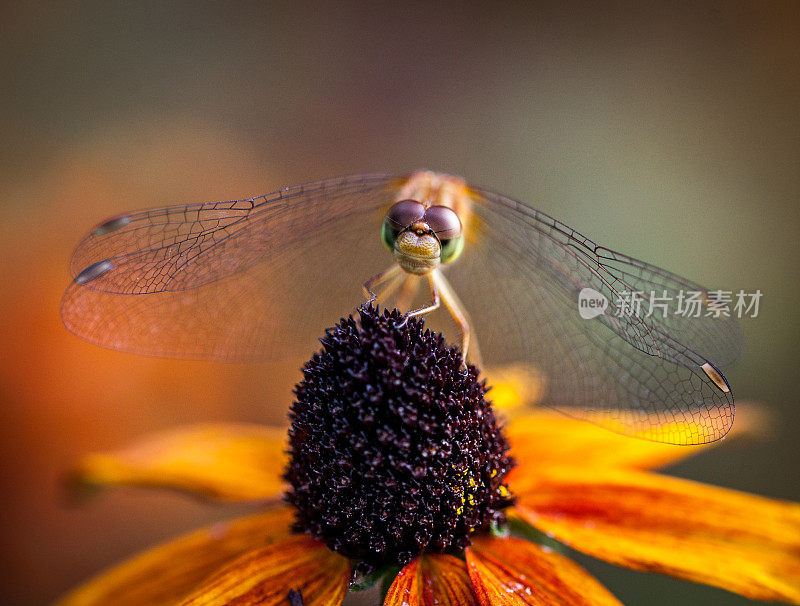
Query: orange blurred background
<point>670,134</point>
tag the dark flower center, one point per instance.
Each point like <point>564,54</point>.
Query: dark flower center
<point>394,449</point>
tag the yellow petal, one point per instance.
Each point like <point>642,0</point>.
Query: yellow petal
<point>514,386</point>
<point>513,571</point>
<point>544,438</point>
<point>266,576</point>
<point>432,579</point>
<point>167,573</point>
<point>743,543</point>
<point>226,462</point>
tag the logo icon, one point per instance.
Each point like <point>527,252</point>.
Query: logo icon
<point>591,303</point>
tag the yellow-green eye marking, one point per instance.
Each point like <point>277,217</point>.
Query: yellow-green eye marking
<point>389,234</point>
<point>452,248</point>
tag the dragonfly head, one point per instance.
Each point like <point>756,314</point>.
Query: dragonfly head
<point>421,238</point>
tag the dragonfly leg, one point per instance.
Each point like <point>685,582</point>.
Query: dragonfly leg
<point>387,274</point>
<point>423,310</point>
<point>469,342</point>
<point>389,286</point>
<point>407,292</point>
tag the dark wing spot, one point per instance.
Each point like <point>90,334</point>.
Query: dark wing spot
<point>94,271</point>
<point>295,597</point>
<point>716,376</point>
<point>111,225</point>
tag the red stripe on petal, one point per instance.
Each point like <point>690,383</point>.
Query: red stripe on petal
<point>266,577</point>
<point>645,521</point>
<point>432,580</point>
<point>514,572</point>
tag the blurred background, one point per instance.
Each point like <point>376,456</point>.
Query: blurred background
<point>672,134</point>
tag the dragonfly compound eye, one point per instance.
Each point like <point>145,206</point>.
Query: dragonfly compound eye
<point>447,226</point>
<point>400,216</point>
<point>443,221</point>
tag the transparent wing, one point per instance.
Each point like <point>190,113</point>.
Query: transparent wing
<point>256,279</point>
<point>652,377</point>
<point>262,278</point>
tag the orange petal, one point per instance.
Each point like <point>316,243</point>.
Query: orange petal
<point>545,438</point>
<point>513,571</point>
<point>226,462</point>
<point>266,576</point>
<point>167,573</point>
<point>743,543</point>
<point>432,579</point>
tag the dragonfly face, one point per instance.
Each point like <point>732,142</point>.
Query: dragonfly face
<point>262,278</point>
<point>421,238</point>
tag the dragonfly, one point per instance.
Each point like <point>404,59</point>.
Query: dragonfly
<point>260,279</point>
